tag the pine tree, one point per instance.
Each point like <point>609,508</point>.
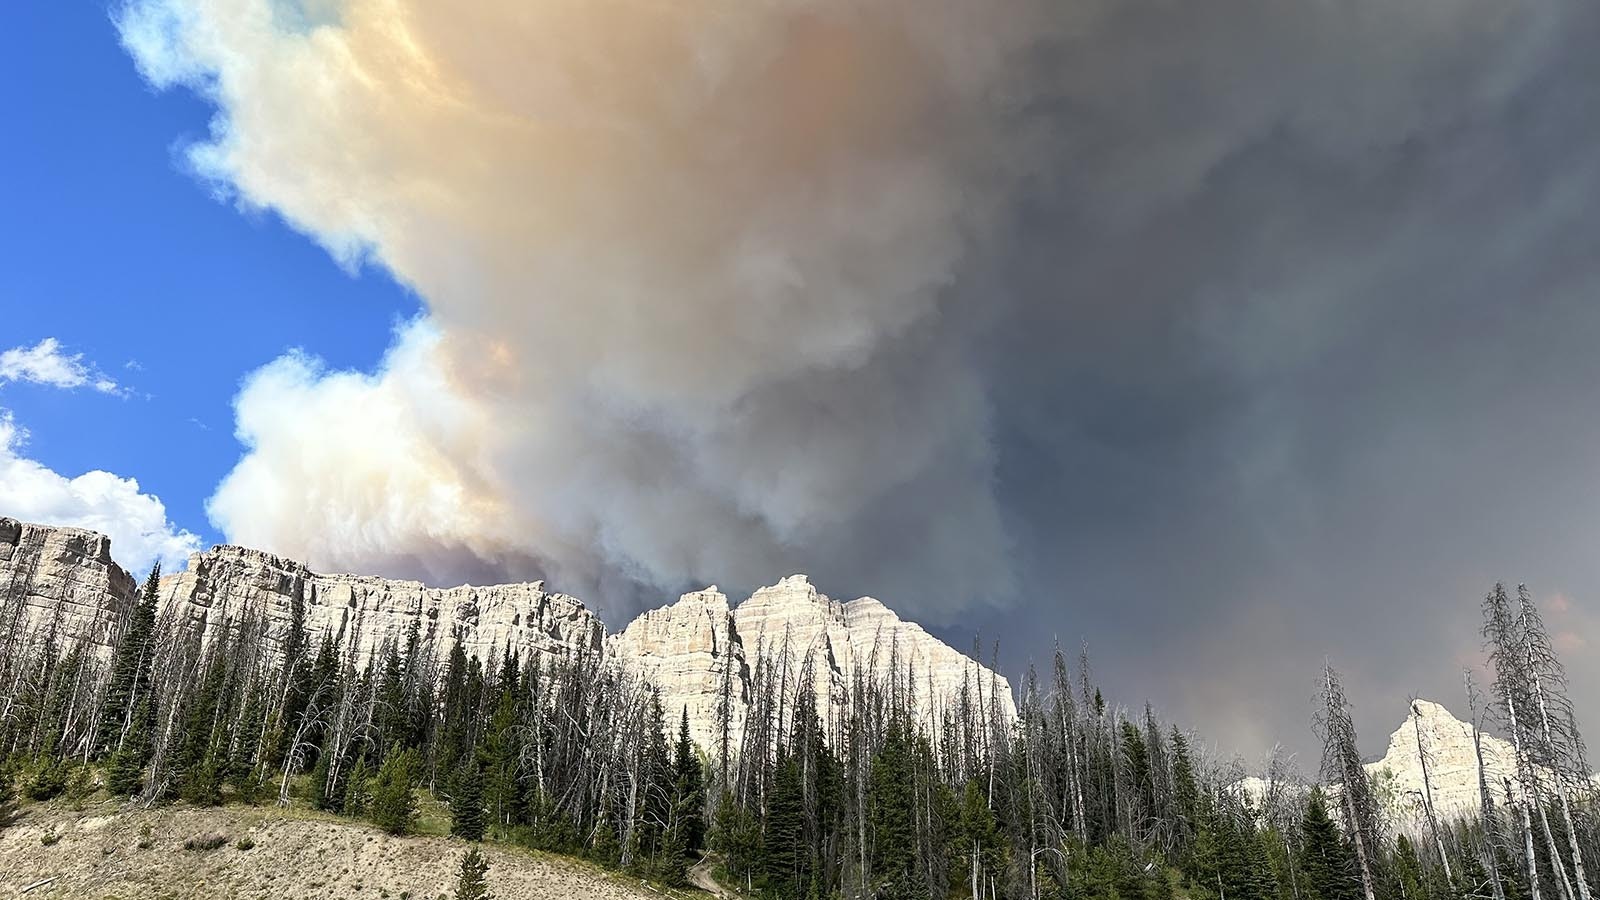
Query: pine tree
<point>1325,863</point>
<point>130,667</point>
<point>467,814</point>
<point>357,789</point>
<point>394,801</point>
<point>689,779</point>
<point>736,836</point>
<point>49,780</point>
<point>8,793</point>
<point>782,859</point>
<point>472,883</point>
<point>1185,794</point>
<point>502,756</point>
<point>125,768</point>
<point>978,840</point>
<point>894,836</point>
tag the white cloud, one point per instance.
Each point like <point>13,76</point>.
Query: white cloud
<point>45,363</point>
<point>135,521</point>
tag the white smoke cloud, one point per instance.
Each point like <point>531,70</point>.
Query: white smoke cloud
<point>684,266</point>
<point>135,521</point>
<point>690,266</point>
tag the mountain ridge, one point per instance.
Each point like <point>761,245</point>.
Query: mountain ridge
<point>64,580</point>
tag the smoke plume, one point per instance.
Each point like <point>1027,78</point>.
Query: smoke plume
<point>684,266</point>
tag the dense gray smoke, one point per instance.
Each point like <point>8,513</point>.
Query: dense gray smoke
<point>1216,332</point>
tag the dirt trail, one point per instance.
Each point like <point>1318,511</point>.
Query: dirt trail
<point>701,877</point>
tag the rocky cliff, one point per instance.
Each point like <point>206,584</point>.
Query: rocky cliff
<point>795,632</point>
<point>1430,732</point>
<point>61,580</point>
<point>228,583</point>
<point>689,649</point>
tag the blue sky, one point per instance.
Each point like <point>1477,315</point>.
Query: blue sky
<point>110,244</point>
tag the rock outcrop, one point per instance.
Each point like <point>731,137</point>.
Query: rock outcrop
<point>61,580</point>
<point>1430,731</point>
<point>691,650</point>
<point>794,631</point>
<point>231,584</point>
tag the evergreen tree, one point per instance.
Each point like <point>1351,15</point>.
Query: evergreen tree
<point>125,768</point>
<point>1326,867</point>
<point>1185,793</point>
<point>502,757</point>
<point>49,780</point>
<point>782,857</point>
<point>736,836</point>
<point>604,846</point>
<point>358,789</point>
<point>979,860</point>
<point>472,883</point>
<point>130,667</point>
<point>8,793</point>
<point>894,836</point>
<point>1408,871</point>
<point>689,780</point>
<point>467,814</point>
<point>394,801</point>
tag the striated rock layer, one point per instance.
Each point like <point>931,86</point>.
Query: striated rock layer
<point>1430,732</point>
<point>1429,736</point>
<point>687,648</point>
<point>60,580</point>
<point>230,584</point>
<point>692,651</point>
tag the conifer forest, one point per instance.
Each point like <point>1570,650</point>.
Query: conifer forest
<point>1078,796</point>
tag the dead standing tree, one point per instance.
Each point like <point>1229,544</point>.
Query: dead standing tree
<point>1341,762</point>
<point>1513,690</point>
<point>1491,820</point>
<point>1559,746</point>
<point>1425,760</point>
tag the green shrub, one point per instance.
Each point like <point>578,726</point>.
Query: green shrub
<point>50,780</point>
<point>245,843</point>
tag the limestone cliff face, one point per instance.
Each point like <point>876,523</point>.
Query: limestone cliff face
<point>61,579</point>
<point>1452,770</point>
<point>688,650</point>
<point>230,584</point>
<point>1452,766</point>
<point>789,628</point>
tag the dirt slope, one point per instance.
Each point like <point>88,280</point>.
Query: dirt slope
<point>97,853</point>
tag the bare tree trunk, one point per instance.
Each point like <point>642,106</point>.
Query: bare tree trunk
<point>1427,793</point>
<point>1485,801</point>
<point>1562,881</point>
<point>1555,758</point>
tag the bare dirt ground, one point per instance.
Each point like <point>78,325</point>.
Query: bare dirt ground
<point>110,851</point>
<point>702,876</point>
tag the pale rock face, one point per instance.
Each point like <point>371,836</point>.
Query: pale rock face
<point>783,629</point>
<point>60,578</point>
<point>229,584</point>
<point>1452,771</point>
<point>687,650</point>
<point>1452,766</point>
